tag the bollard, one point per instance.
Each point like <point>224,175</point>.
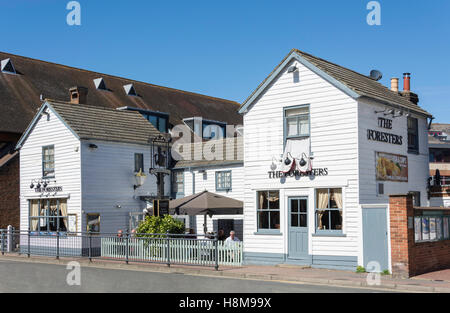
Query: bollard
<point>3,242</point>
<point>10,239</point>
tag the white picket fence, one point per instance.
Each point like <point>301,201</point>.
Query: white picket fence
<point>180,250</point>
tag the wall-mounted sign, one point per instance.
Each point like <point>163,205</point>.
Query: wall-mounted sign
<point>376,135</point>
<point>391,167</point>
<point>384,123</point>
<point>160,207</point>
<point>48,189</point>
<point>313,172</point>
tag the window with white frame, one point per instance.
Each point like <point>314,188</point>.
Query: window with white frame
<point>177,183</point>
<point>48,162</point>
<point>223,181</point>
<point>329,206</point>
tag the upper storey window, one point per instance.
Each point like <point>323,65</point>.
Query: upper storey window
<point>48,162</point>
<point>297,122</point>
<point>206,129</point>
<point>413,135</point>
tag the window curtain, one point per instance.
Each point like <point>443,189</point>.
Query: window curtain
<point>43,208</point>
<point>337,194</point>
<point>63,209</point>
<point>296,150</point>
<point>34,206</point>
<point>322,204</point>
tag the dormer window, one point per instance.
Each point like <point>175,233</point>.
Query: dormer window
<point>206,129</point>
<point>100,84</point>
<point>129,90</point>
<point>158,119</point>
<point>7,66</point>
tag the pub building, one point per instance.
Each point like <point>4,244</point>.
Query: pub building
<point>85,168</point>
<point>324,148</point>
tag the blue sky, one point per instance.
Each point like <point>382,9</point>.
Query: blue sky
<point>226,48</point>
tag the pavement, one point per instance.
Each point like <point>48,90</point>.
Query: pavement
<point>438,282</point>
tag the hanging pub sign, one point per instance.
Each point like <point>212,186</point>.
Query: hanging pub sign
<point>391,167</point>
<point>313,172</point>
<point>160,207</point>
<point>48,189</point>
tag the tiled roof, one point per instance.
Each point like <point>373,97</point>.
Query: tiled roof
<point>238,154</point>
<point>362,85</point>
<point>90,122</point>
<point>20,94</point>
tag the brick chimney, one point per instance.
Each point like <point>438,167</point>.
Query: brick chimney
<point>411,96</point>
<point>78,95</point>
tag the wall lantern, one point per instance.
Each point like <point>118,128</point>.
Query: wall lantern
<point>292,69</point>
<point>140,179</point>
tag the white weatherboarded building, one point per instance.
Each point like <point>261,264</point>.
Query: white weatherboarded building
<point>219,175</point>
<point>346,142</point>
<point>78,165</point>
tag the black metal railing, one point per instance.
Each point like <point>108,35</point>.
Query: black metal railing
<point>194,250</point>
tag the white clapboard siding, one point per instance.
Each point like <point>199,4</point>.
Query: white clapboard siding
<point>418,173</point>
<point>334,142</point>
<point>108,180</point>
<point>46,132</point>
<point>207,182</point>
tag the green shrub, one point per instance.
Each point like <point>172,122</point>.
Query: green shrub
<point>360,269</point>
<point>386,272</point>
<point>160,225</point>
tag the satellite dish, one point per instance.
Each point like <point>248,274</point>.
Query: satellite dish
<point>376,75</point>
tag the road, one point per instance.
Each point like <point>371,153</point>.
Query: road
<point>16,276</point>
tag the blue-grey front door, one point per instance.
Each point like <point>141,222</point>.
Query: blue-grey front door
<point>375,238</point>
<point>298,228</point>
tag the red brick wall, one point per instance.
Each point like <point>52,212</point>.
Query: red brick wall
<point>410,258</point>
<point>430,257</point>
<point>9,194</point>
<point>401,247</point>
